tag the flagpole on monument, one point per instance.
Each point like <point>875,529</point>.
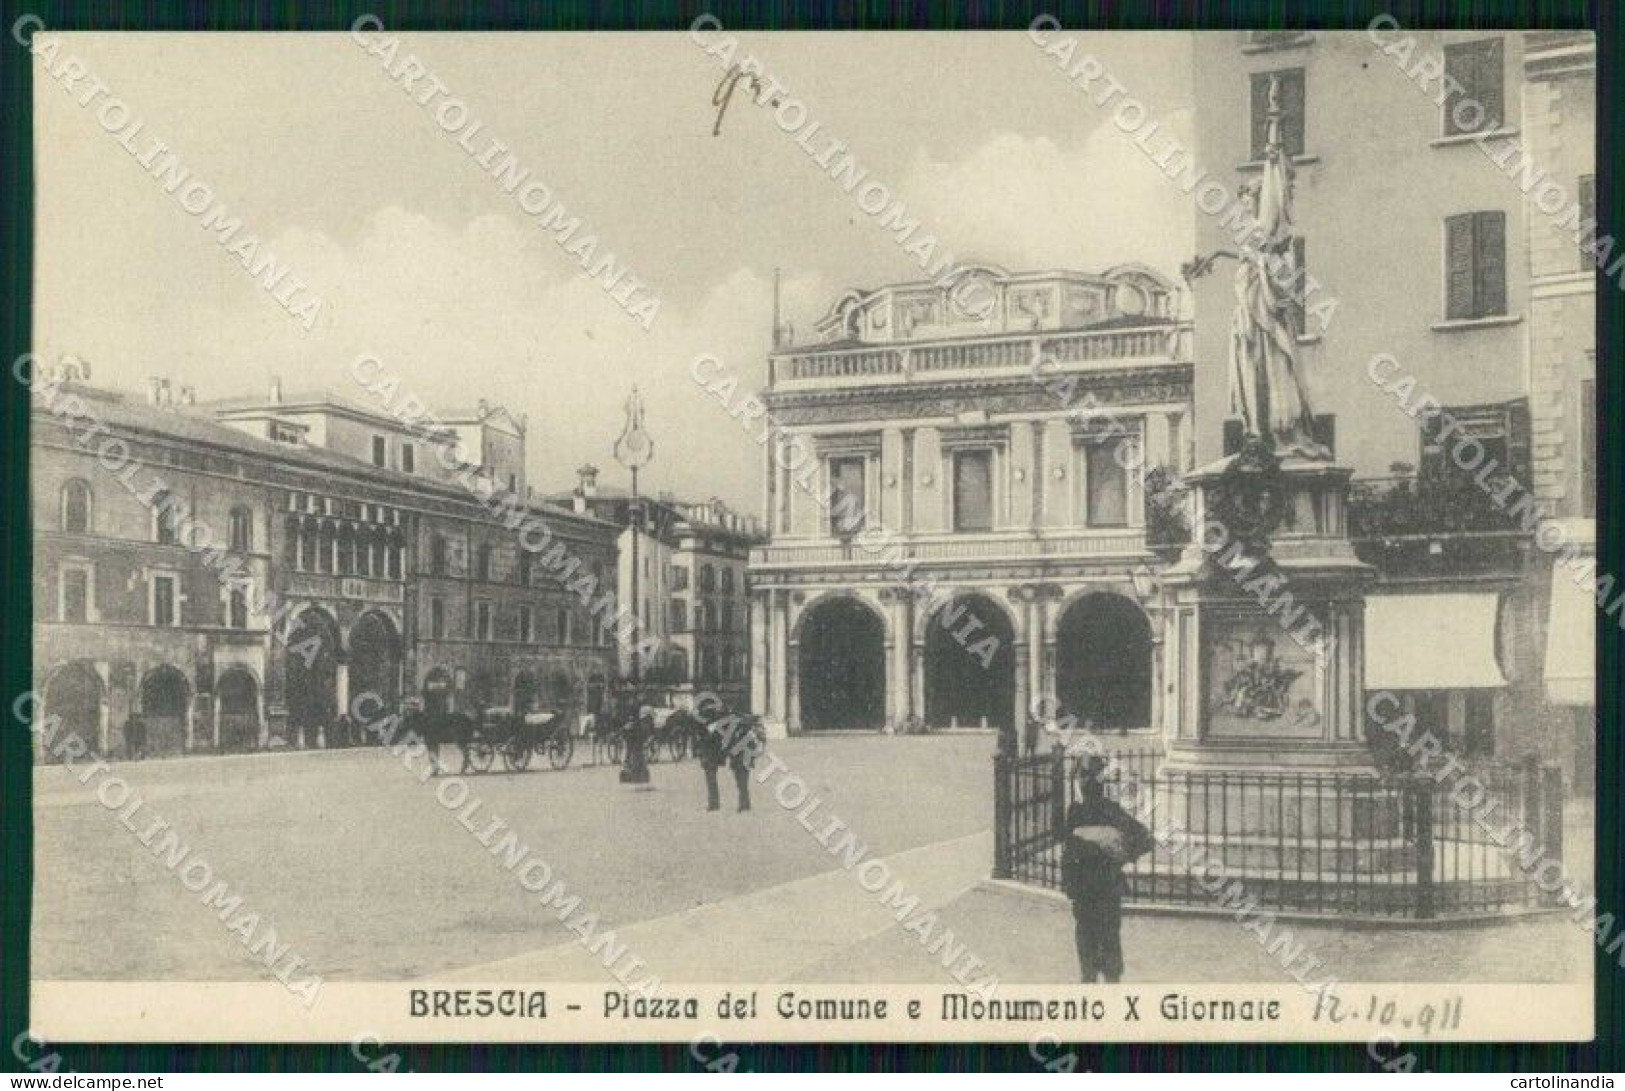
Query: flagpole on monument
<point>634,450</point>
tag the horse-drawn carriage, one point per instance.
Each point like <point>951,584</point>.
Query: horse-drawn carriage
<point>669,732</point>
<point>517,736</point>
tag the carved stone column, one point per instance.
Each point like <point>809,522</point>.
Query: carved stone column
<point>759,653</point>
<point>778,678</point>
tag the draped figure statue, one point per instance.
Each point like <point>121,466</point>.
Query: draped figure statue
<point>1267,391</point>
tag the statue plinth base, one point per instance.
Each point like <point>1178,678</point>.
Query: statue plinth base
<point>1264,622</point>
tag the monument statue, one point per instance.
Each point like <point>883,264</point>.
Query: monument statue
<point>1266,386</point>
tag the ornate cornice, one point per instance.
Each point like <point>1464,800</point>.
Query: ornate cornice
<point>1140,385</point>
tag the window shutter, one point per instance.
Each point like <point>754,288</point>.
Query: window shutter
<point>1260,113</point>
<point>1490,284</point>
<point>1458,257</point>
<point>1489,83</point>
<point>1292,111</point>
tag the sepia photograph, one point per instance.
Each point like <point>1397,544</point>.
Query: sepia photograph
<point>719,535</point>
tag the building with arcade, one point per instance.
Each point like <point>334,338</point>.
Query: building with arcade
<point>370,556</point>
<point>986,436</point>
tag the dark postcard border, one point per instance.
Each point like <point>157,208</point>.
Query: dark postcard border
<point>16,252</point>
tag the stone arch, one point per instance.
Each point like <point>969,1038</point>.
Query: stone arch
<point>375,656</point>
<point>76,695</point>
<point>237,704</point>
<point>165,705</point>
<point>969,662</point>
<point>932,608</point>
<point>314,647</point>
<point>1103,660</point>
<point>841,641</point>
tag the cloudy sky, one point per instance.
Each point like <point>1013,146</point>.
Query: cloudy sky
<point>424,261</point>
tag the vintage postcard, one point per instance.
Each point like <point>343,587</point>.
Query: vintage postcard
<point>718,536</point>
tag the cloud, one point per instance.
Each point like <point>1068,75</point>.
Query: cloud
<point>493,309</point>
<point>1030,203</point>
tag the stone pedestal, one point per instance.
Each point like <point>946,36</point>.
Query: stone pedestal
<point>1263,626</point>
<point>1264,647</point>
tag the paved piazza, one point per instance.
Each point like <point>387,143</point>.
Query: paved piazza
<point>366,876</point>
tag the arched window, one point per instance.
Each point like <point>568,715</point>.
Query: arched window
<point>242,530</point>
<point>165,518</point>
<point>76,507</point>
<point>483,569</point>
<point>237,609</point>
<point>346,551</point>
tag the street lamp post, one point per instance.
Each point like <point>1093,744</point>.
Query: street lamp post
<point>634,450</point>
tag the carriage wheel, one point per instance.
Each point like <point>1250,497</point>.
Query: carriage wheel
<point>560,748</point>
<point>480,755</point>
<point>516,755</point>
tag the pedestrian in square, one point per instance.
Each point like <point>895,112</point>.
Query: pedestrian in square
<point>135,736</point>
<point>727,738</point>
<point>1101,837</point>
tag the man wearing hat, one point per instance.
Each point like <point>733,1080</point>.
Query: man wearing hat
<point>1101,837</point>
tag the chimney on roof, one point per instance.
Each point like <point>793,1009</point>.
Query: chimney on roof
<point>276,390</point>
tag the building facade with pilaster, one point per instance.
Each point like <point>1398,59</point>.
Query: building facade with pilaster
<point>986,438</point>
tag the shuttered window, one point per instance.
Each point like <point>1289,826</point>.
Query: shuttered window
<point>1477,68</point>
<point>1292,110</point>
<point>1475,265</point>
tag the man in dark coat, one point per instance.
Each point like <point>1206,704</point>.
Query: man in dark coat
<point>1101,837</point>
<point>731,739</point>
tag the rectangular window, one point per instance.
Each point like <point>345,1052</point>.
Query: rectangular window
<point>1588,448</point>
<point>1291,102</point>
<point>1106,482</point>
<point>437,618</point>
<point>566,629</point>
<point>1476,67</point>
<point>482,612</point>
<point>847,499</point>
<point>237,609</point>
<point>973,490</point>
<point>164,611</point>
<point>526,633</point>
<point>75,604</point>
<point>1586,197</point>
<point>679,615</point>
<point>380,451</point>
<point>409,459</point>
<point>437,555</point>
<point>1475,265</point>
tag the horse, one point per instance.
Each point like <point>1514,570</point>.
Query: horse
<point>436,730</point>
